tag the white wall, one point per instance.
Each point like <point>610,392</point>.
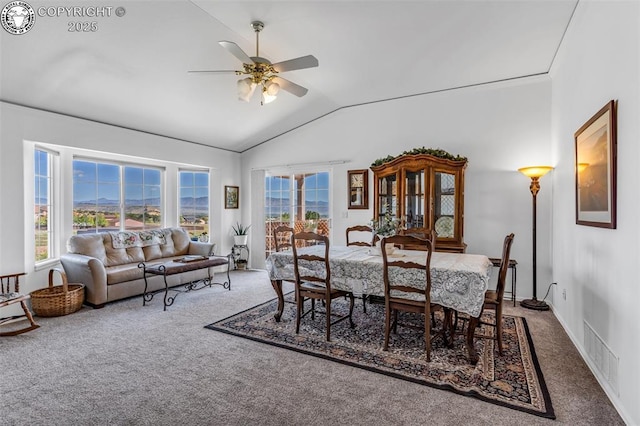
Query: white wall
<point>19,124</point>
<point>498,127</point>
<point>599,61</point>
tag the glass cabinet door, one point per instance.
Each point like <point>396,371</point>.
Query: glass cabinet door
<point>444,204</point>
<point>388,195</point>
<point>414,189</point>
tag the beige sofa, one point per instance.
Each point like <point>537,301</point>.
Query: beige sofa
<point>107,263</point>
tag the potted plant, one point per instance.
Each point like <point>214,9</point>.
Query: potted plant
<point>241,234</point>
<point>241,264</point>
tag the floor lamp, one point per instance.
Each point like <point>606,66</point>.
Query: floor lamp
<point>535,173</point>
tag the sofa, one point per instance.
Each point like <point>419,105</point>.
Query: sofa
<point>107,263</point>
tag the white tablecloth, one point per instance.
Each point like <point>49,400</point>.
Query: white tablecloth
<point>458,281</point>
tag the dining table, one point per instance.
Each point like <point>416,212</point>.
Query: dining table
<point>458,280</point>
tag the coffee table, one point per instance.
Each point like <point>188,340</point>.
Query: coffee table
<point>180,265</point>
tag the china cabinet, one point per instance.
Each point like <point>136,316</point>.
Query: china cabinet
<point>423,191</point>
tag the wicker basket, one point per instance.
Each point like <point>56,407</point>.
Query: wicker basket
<point>57,300</point>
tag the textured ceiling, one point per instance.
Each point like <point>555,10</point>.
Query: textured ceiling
<point>132,71</point>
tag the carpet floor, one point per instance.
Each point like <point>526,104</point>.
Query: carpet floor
<point>128,364</point>
<point>512,379</point>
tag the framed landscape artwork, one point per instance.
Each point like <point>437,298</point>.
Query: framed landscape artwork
<point>231,194</point>
<point>358,181</point>
<point>596,169</point>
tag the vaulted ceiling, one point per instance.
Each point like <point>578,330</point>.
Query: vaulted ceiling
<point>132,70</point>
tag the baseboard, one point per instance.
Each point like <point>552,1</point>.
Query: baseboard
<point>615,400</point>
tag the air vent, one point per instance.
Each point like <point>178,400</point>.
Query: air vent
<point>601,356</point>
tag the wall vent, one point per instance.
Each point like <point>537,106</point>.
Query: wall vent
<point>602,357</point>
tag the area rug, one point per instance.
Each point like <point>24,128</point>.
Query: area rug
<point>513,379</point>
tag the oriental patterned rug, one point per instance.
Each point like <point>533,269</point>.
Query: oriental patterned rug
<point>512,380</point>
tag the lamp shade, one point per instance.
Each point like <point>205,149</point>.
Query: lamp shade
<point>272,88</point>
<point>535,171</point>
<point>269,92</point>
<point>246,87</point>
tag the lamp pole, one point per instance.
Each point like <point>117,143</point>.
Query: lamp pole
<point>535,173</point>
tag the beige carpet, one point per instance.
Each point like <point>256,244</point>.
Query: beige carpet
<point>127,364</point>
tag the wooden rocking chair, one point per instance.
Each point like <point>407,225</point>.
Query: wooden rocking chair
<point>10,294</point>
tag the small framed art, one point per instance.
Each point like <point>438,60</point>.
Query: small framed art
<point>358,181</point>
<point>596,147</point>
<point>231,194</point>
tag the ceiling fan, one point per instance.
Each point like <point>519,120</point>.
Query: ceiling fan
<point>261,72</point>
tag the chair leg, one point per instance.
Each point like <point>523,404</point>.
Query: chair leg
<point>387,326</point>
<point>299,306</point>
<point>499,327</point>
<point>427,332</point>
<point>328,304</point>
<point>27,313</point>
<point>364,303</point>
<point>351,305</point>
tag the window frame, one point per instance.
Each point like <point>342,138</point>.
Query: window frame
<point>122,212</point>
<point>179,198</point>
<point>53,206</point>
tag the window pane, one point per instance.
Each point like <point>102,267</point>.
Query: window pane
<point>133,175</point>
<point>84,171</point>
<point>43,182</point>
<point>202,179</point>
<point>186,179</point>
<point>109,173</point>
<point>194,203</point>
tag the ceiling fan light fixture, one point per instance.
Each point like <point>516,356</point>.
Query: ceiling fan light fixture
<point>268,97</point>
<point>272,88</point>
<point>246,87</point>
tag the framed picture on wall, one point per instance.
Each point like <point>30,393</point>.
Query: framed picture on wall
<point>231,194</point>
<point>358,181</point>
<point>596,169</point>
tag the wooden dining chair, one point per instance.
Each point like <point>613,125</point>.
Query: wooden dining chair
<point>401,297</point>
<point>422,233</point>
<point>282,237</point>
<point>313,281</point>
<point>493,299</point>
<point>358,230</point>
<point>10,294</point>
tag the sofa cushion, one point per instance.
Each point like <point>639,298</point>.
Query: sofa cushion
<point>121,273</point>
<point>120,256</point>
<point>89,245</point>
<point>177,242</point>
<point>152,252</point>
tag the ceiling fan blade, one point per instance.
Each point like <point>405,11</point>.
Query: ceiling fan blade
<point>235,50</point>
<point>290,87</point>
<point>212,71</point>
<point>302,62</point>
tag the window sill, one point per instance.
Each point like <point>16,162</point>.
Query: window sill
<point>46,264</point>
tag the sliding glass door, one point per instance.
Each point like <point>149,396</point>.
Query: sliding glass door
<point>300,201</point>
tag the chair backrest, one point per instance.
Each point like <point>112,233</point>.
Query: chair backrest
<point>10,283</point>
<point>504,265</point>
<point>282,237</point>
<point>360,228</point>
<point>316,266</point>
<point>422,233</point>
<point>388,263</point>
